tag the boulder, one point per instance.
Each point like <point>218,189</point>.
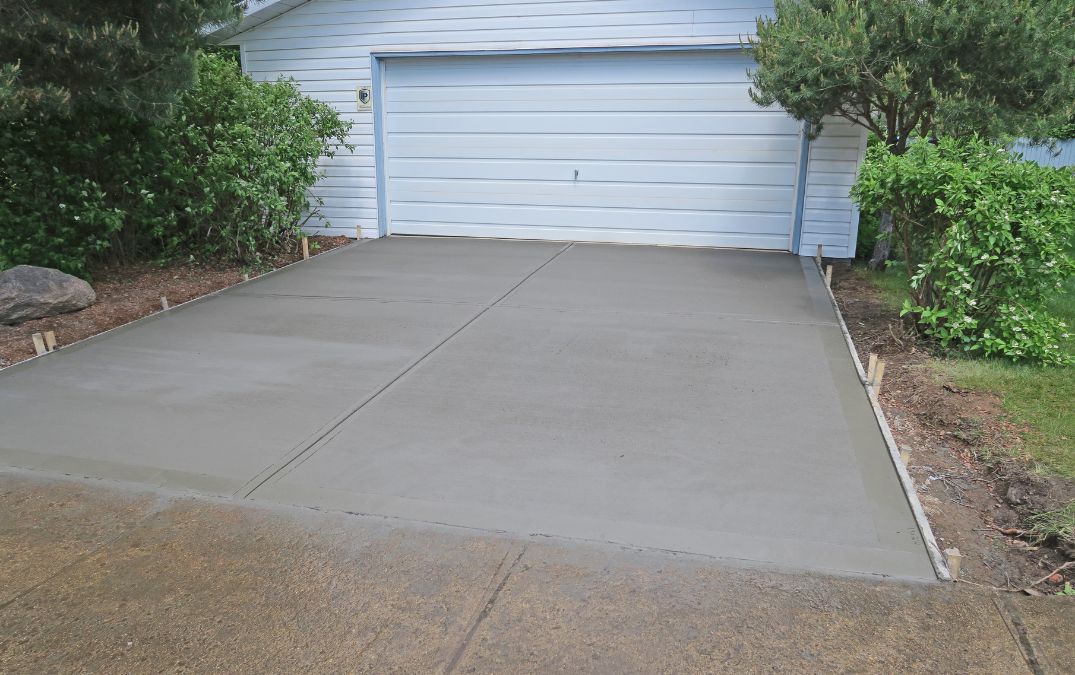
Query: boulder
<point>28,292</point>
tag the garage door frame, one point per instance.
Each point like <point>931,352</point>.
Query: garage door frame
<point>378,66</point>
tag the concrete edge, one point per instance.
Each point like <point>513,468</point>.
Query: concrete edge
<point>169,494</point>
<point>936,557</point>
<point>163,312</point>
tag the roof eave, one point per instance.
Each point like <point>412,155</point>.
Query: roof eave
<point>256,13</point>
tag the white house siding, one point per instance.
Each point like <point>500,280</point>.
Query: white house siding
<point>829,217</point>
<point>1060,156</point>
<point>325,46</point>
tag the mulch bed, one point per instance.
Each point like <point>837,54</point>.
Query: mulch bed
<point>964,453</point>
<point>129,292</point>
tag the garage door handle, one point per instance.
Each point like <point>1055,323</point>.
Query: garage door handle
<point>576,174</point>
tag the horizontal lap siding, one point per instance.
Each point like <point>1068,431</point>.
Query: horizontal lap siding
<point>829,217</point>
<point>325,45</point>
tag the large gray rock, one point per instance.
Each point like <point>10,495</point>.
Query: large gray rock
<point>28,292</point>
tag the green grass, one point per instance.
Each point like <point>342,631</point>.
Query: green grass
<point>1042,399</point>
<point>1053,525</point>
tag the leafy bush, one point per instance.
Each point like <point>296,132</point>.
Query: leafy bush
<point>984,237</point>
<point>227,175</point>
<point>242,156</point>
<point>54,208</point>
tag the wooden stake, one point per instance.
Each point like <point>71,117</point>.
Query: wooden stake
<point>246,276</point>
<point>164,302</point>
<point>50,340</point>
<point>305,248</point>
<point>828,275</point>
<point>39,344</point>
<point>358,231</point>
<point>871,368</point>
<point>878,375</point>
<point>905,457</point>
<point>954,561</point>
<point>819,254</point>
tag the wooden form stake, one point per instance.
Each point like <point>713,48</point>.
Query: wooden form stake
<point>164,302</point>
<point>305,248</point>
<point>39,344</point>
<point>954,561</point>
<point>875,372</point>
<point>828,275</point>
<point>50,340</point>
<point>246,276</point>
<point>878,375</point>
<point>819,255</point>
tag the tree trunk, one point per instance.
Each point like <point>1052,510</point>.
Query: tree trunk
<point>883,246</point>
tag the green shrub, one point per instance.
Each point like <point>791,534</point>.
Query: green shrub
<point>227,175</point>
<point>242,156</point>
<point>53,209</point>
<point>984,237</point>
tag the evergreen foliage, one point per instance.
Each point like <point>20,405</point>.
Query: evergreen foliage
<point>920,67</point>
<point>130,56</point>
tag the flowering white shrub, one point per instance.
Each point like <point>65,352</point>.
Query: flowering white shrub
<point>986,239</point>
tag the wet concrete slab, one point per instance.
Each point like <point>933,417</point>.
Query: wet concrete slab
<point>210,396</point>
<point>687,432</point>
<point>681,399</point>
<point>417,269</point>
<point>238,586</point>
<point>665,280</point>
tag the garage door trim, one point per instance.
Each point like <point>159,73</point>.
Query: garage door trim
<point>378,63</point>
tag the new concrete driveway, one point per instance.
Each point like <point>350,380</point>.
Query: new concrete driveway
<point>679,399</point>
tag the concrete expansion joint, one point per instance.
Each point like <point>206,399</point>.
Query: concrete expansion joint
<point>303,452</point>
<point>487,606</point>
<point>1013,621</point>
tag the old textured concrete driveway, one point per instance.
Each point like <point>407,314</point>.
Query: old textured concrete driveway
<point>679,399</point>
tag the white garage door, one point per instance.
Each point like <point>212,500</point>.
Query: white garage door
<point>655,148</point>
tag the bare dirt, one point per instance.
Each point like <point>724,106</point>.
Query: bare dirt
<point>964,452</point>
<point>131,291</point>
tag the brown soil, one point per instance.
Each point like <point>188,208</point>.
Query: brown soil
<point>129,292</point>
<point>962,450</point>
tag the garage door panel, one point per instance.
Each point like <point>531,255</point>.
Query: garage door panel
<point>766,149</point>
<point>639,148</point>
<point>633,219</point>
<point>631,172</point>
<point>696,97</point>
<point>625,236</point>
<point>570,69</point>
<point>605,195</point>
<point>593,123</point>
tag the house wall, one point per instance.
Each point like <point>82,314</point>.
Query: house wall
<point>1063,155</point>
<point>325,46</point>
<point>829,217</point>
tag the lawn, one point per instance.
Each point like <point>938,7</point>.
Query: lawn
<point>1043,399</point>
